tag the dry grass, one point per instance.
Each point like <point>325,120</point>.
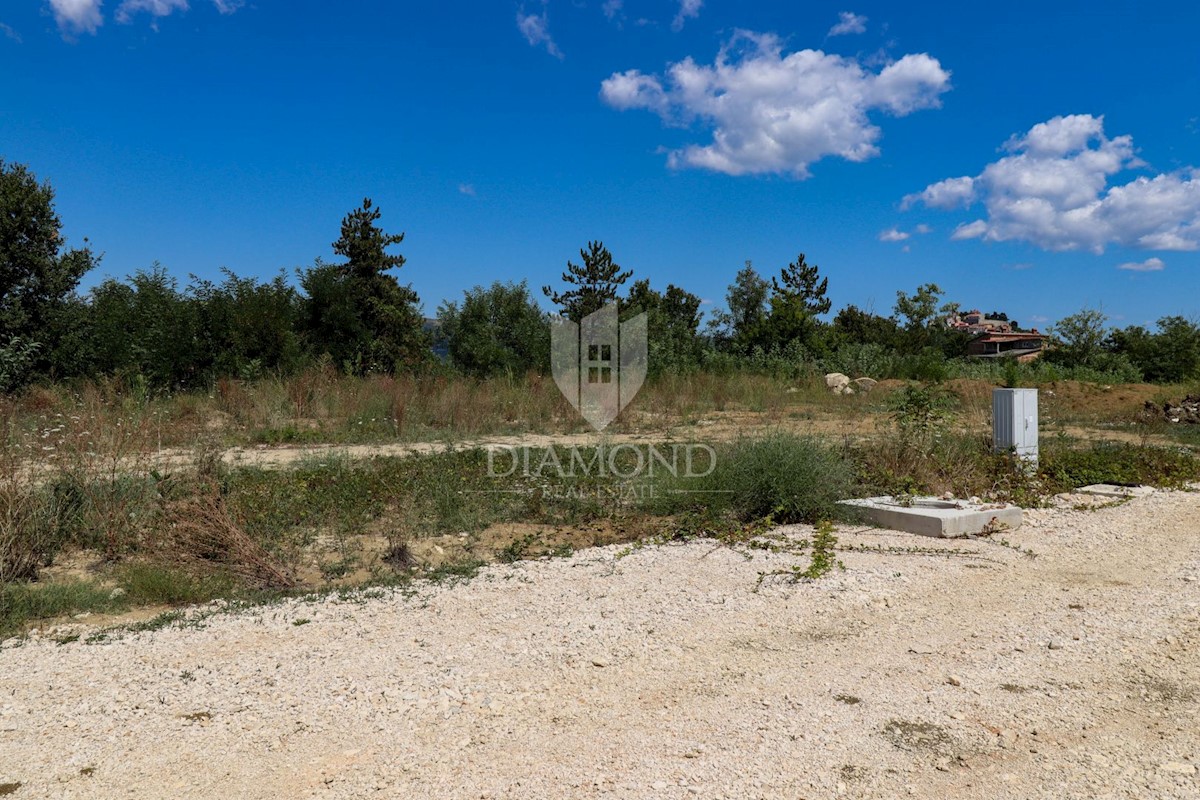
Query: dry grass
<point>201,534</point>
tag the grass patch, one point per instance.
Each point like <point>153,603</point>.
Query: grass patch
<point>1121,464</point>
<point>23,602</point>
<point>152,584</point>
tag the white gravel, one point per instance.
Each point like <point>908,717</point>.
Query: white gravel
<point>662,673</point>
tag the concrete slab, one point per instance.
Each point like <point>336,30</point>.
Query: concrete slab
<point>931,516</point>
<point>1112,490</point>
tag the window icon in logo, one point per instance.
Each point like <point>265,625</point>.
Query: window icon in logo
<point>599,364</point>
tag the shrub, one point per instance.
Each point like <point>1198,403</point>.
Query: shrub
<point>1120,464</point>
<point>784,476</point>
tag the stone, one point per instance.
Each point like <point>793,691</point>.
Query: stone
<point>954,680</point>
<point>865,384</point>
<point>1110,490</point>
<point>835,381</point>
<point>116,594</point>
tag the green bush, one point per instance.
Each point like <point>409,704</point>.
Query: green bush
<point>1120,464</point>
<point>783,476</point>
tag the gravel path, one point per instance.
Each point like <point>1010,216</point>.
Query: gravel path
<point>662,673</point>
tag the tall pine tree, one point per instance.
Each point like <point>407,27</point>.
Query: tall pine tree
<point>594,283</point>
<point>358,312</point>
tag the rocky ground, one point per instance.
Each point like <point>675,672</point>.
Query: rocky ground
<point>667,671</point>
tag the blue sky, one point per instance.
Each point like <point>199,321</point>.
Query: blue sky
<point>1018,154</point>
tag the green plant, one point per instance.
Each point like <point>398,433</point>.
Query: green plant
<point>780,475</point>
<point>921,414</point>
<point>821,549</point>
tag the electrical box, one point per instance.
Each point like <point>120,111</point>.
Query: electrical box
<point>1015,422</point>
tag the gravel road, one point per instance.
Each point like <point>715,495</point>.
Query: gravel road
<point>665,672</point>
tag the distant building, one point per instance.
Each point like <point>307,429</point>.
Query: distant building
<point>1007,344</point>
<point>997,338</point>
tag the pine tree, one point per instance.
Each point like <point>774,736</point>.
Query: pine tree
<point>596,283</point>
<point>799,281</point>
<point>359,313</point>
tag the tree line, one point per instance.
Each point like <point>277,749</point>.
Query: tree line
<point>355,315</point>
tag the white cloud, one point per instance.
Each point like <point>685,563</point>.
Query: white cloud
<point>849,22</point>
<point>77,16</point>
<point>1149,265</point>
<point>10,33</point>
<point>922,228</point>
<point>688,9</point>
<point>612,8</point>
<point>228,6</point>
<point>969,230</point>
<point>536,30</point>
<point>467,188</point>
<point>1052,189</point>
<point>776,113</point>
<point>893,235</point>
<point>155,8</point>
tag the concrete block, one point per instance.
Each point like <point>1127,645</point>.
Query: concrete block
<point>1111,490</point>
<point>931,516</point>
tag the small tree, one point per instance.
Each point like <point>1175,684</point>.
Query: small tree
<point>673,319</point>
<point>797,298</point>
<point>595,283</point>
<point>37,276</point>
<point>1079,338</point>
<point>741,327</point>
<point>357,312</point>
<point>496,330</point>
<point>801,284</point>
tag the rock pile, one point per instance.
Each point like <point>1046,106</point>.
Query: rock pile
<point>842,384</point>
<point>1186,411</point>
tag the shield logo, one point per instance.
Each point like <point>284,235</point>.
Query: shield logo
<point>600,363</point>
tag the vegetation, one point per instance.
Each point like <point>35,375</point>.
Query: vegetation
<point>115,404</point>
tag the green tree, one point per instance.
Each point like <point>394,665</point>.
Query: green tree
<point>247,327</point>
<point>356,311</point>
<point>594,283</point>
<point>802,285</point>
<point>1172,355</point>
<point>673,324</point>
<point>920,310</point>
<point>145,331</point>
<point>797,298</point>
<point>497,330</point>
<point>1078,340</point>
<point>742,326</point>
<point>38,276</point>
<point>852,325</point>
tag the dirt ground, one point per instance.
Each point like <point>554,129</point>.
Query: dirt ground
<point>957,669</point>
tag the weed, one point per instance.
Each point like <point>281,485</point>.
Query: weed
<point>821,556</point>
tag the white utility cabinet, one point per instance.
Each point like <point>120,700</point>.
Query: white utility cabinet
<point>1015,422</point>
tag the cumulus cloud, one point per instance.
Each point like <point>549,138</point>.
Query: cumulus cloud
<point>1053,190</point>
<point>772,112</point>
<point>688,9</point>
<point>536,30</point>
<point>849,22</point>
<point>467,188</point>
<point>612,8</point>
<point>228,6</point>
<point>1149,265</point>
<point>77,16</point>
